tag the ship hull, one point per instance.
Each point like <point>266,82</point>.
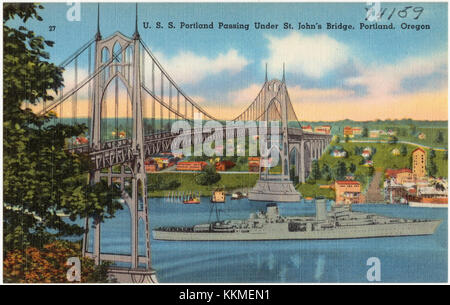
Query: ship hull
<point>427,205</point>
<point>281,233</point>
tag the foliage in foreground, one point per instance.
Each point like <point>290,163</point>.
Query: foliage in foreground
<point>41,179</point>
<point>48,265</point>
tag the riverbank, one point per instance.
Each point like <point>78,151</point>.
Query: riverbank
<point>185,182</point>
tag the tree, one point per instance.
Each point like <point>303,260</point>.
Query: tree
<point>403,132</point>
<point>315,170</point>
<point>340,170</point>
<point>445,155</point>
<point>39,177</point>
<point>403,150</point>
<point>440,137</point>
<point>392,140</point>
<point>48,265</point>
<point>292,175</point>
<point>432,168</point>
<point>326,172</point>
<point>208,176</point>
<point>365,132</point>
<point>412,129</point>
<point>371,171</point>
<point>352,168</point>
<point>432,154</point>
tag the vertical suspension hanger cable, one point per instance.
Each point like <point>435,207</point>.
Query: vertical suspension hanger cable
<point>61,106</point>
<point>89,94</point>
<point>162,100</point>
<point>144,97</point>
<point>153,99</point>
<point>127,128</point>
<point>178,104</point>
<point>170,105</point>
<point>116,110</point>
<point>75,95</point>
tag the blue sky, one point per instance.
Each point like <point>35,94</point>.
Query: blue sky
<point>412,63</point>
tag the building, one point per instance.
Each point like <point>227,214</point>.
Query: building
<point>395,193</point>
<point>429,195</point>
<point>191,166</point>
<point>357,131</point>
<point>348,131</point>
<point>151,166</point>
<point>368,163</point>
<point>307,128</point>
<point>348,192</point>
<point>325,129</point>
<point>366,153</point>
<point>338,153</point>
<point>165,159</point>
<point>81,140</point>
<point>395,152</point>
<point>253,164</point>
<point>224,165</point>
<point>374,134</point>
<point>401,176</point>
<point>419,161</point>
<point>391,132</point>
<point>422,136</point>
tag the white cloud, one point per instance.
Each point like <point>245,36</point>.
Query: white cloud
<point>244,97</point>
<point>189,68</point>
<point>300,94</point>
<point>385,80</point>
<point>312,55</point>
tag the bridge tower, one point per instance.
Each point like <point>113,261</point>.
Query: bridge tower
<point>124,68</point>
<point>276,187</point>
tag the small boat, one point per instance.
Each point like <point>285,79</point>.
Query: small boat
<point>192,199</point>
<point>238,195</point>
<point>218,196</point>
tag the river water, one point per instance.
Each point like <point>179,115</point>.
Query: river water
<point>403,259</point>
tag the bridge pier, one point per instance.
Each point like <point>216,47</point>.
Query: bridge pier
<point>131,157</point>
<point>272,187</point>
<point>302,152</point>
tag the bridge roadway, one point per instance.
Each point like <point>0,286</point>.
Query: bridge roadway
<point>116,152</point>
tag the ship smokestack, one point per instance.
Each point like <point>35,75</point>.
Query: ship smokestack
<point>321,209</point>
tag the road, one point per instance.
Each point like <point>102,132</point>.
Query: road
<point>401,142</point>
<point>374,194</point>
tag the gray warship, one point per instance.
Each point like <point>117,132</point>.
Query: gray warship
<point>339,223</point>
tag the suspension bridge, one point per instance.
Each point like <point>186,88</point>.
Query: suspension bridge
<point>117,87</point>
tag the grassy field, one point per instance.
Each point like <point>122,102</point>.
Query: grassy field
<point>406,129</point>
<point>187,183</point>
<point>314,190</point>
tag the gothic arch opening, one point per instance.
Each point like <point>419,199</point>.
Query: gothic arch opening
<point>116,112</point>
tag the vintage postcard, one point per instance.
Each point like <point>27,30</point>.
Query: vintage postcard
<point>225,143</point>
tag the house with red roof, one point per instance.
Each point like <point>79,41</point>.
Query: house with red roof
<point>348,192</point>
